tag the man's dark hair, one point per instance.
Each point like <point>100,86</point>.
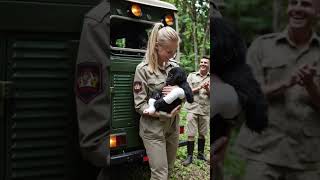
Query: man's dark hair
<point>206,57</point>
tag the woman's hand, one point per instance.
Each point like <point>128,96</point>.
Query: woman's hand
<point>155,114</point>
<point>167,89</point>
<point>173,113</point>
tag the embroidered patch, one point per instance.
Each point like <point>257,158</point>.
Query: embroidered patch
<point>137,87</point>
<point>89,81</point>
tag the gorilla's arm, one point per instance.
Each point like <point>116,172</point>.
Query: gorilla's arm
<point>174,94</point>
<point>169,98</point>
<point>251,97</point>
<point>156,102</point>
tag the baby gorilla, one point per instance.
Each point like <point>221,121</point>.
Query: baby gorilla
<point>228,51</point>
<point>176,77</point>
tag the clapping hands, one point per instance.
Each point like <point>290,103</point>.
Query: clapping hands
<point>304,76</point>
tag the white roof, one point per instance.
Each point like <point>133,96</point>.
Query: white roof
<point>156,3</point>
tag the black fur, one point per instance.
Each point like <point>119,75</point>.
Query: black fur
<point>176,76</point>
<point>228,54</point>
<point>218,128</point>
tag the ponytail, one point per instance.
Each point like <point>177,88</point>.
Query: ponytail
<point>151,56</point>
<point>160,34</point>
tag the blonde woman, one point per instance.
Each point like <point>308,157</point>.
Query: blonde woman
<point>159,131</point>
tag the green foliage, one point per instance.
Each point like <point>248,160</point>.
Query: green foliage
<point>234,167</point>
<point>121,42</point>
<point>198,169</point>
<point>193,20</point>
<point>252,17</point>
<point>255,17</point>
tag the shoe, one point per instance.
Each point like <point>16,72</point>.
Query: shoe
<point>201,144</point>
<point>190,148</point>
<point>188,160</point>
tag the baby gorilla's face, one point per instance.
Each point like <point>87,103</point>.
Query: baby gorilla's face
<point>170,79</point>
<point>175,76</point>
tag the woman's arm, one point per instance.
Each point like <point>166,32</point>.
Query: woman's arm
<point>140,90</point>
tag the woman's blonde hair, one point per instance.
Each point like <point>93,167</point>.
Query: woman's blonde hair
<point>160,34</point>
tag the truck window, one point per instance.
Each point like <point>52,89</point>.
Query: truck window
<point>128,34</point>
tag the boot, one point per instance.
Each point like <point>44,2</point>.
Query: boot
<point>190,148</point>
<point>201,143</point>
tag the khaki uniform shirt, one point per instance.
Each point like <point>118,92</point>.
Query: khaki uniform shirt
<point>293,136</point>
<point>144,84</point>
<point>92,85</point>
<point>201,99</point>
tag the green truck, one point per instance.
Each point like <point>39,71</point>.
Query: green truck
<point>130,23</point>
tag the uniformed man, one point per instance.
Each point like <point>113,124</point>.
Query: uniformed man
<point>198,111</point>
<point>93,103</point>
<point>286,66</point>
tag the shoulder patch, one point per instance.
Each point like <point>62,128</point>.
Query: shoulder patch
<point>88,81</point>
<point>137,87</point>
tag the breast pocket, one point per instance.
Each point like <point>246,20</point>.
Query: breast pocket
<point>155,84</point>
<point>195,83</point>
<point>274,71</point>
<point>311,146</point>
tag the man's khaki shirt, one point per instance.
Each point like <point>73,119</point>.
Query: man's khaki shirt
<point>293,136</point>
<point>201,99</point>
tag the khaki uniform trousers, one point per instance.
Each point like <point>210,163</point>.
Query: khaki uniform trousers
<point>197,122</point>
<point>161,140</point>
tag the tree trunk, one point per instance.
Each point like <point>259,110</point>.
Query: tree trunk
<point>205,38</point>
<point>195,45</point>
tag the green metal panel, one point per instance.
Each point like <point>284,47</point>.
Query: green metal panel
<point>2,112</point>
<point>124,117</point>
<point>38,129</point>
<point>87,2</point>
<point>122,73</point>
<point>122,110</point>
<point>42,17</point>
